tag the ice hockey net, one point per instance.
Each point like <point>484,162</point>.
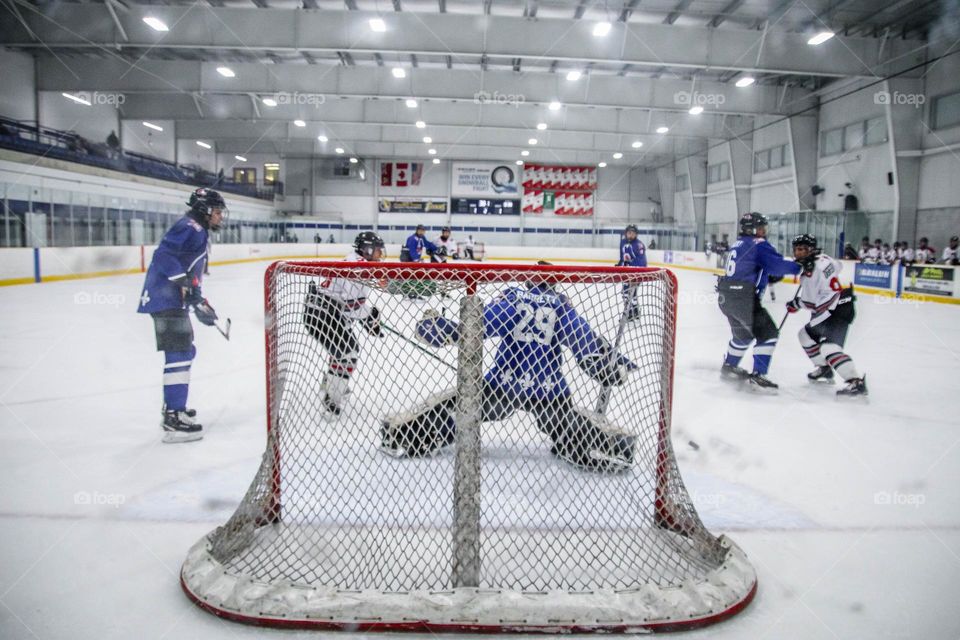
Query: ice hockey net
<point>479,251</point>
<point>495,532</point>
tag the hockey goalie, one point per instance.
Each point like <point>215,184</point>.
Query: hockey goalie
<point>534,323</point>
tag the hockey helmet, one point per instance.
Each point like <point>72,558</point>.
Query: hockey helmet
<point>810,242</point>
<point>366,242</point>
<point>202,202</point>
<point>539,281</point>
<point>750,222</point>
<point>631,227</point>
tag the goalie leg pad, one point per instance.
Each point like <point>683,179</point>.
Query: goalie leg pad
<point>585,439</point>
<point>423,430</point>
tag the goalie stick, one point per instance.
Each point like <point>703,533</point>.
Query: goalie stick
<point>606,390</point>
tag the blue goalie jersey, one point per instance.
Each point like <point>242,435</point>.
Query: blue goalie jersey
<point>178,259</point>
<point>534,325</point>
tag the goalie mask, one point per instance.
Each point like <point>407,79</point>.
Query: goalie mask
<point>208,208</point>
<point>540,281</point>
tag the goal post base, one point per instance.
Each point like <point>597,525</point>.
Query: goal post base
<point>720,594</point>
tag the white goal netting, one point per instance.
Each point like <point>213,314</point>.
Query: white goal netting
<point>492,452</point>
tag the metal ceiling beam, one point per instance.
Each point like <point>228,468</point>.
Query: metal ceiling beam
<point>116,20</point>
<point>677,11</point>
<point>628,9</point>
<point>426,83</point>
<point>508,37</point>
<point>725,13</point>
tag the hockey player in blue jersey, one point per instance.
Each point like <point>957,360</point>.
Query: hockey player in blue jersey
<point>534,324</point>
<point>171,288</point>
<point>632,254</point>
<point>750,263</point>
<point>413,249</point>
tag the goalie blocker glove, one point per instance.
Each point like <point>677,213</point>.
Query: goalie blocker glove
<point>607,368</point>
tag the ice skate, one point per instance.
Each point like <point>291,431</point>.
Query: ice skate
<point>178,426</point>
<point>762,384</point>
<point>857,387</point>
<point>822,374</point>
<point>733,373</point>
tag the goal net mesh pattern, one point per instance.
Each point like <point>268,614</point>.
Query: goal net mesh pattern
<point>538,457</point>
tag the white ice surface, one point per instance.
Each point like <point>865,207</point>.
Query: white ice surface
<point>799,480</point>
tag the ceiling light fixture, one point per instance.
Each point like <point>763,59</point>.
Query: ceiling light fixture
<point>617,155</point>
<point>746,81</point>
<point>421,124</point>
<point>270,102</point>
<point>411,103</point>
<point>524,153</point>
<point>427,139</point>
<point>156,23</point>
<point>240,158</point>
<point>602,165</point>
<point>820,37</point>
<point>150,125</point>
<point>636,144</point>
<point>354,161</point>
<point>398,72</point>
<point>574,75</point>
<point>663,129</point>
<point>541,126</point>
<point>554,106</point>
<point>378,25</point>
<point>338,150</point>
<point>201,143</point>
<point>322,138</point>
<point>532,141</point>
<point>436,161</point>
<point>601,29</point>
<point>226,72</point>
<point>432,152</point>
<point>77,99</point>
<point>300,123</point>
<point>696,110</point>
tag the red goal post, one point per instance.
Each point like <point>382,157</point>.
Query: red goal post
<point>497,532</point>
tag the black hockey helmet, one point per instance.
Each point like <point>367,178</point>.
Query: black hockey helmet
<point>631,227</point>
<point>537,281</point>
<point>202,202</point>
<point>805,240</point>
<point>809,241</point>
<point>750,222</point>
<point>366,242</point>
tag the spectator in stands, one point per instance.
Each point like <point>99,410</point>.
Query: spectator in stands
<point>950,254</point>
<point>925,253</point>
<point>906,253</point>
<point>653,244</point>
<point>849,253</point>
<point>332,239</point>
<point>316,238</point>
<point>113,142</point>
<point>875,253</point>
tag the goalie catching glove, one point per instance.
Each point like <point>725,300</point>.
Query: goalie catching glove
<point>606,367</point>
<point>437,331</point>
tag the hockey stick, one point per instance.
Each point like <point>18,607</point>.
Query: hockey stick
<point>787,314</point>
<point>417,346</point>
<point>606,390</point>
<point>225,331</point>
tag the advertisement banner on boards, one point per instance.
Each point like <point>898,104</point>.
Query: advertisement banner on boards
<point>929,279</point>
<point>873,275</point>
<point>484,180</point>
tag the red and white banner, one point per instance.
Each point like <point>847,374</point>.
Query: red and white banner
<point>567,191</point>
<point>400,174</point>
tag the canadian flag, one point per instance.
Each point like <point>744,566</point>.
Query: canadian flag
<point>400,174</point>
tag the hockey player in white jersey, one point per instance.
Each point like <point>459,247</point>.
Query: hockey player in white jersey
<point>331,309</point>
<point>831,306</point>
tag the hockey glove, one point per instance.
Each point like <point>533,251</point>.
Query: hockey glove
<point>437,331</point>
<point>793,306</point>
<point>774,279</point>
<point>372,323</point>
<point>606,369</point>
<point>205,313</point>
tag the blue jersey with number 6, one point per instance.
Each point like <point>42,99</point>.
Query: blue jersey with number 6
<point>534,325</point>
<point>753,259</point>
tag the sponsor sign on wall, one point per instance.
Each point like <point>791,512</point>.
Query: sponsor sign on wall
<point>929,279</point>
<point>873,275</point>
<point>485,180</point>
<point>413,205</point>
